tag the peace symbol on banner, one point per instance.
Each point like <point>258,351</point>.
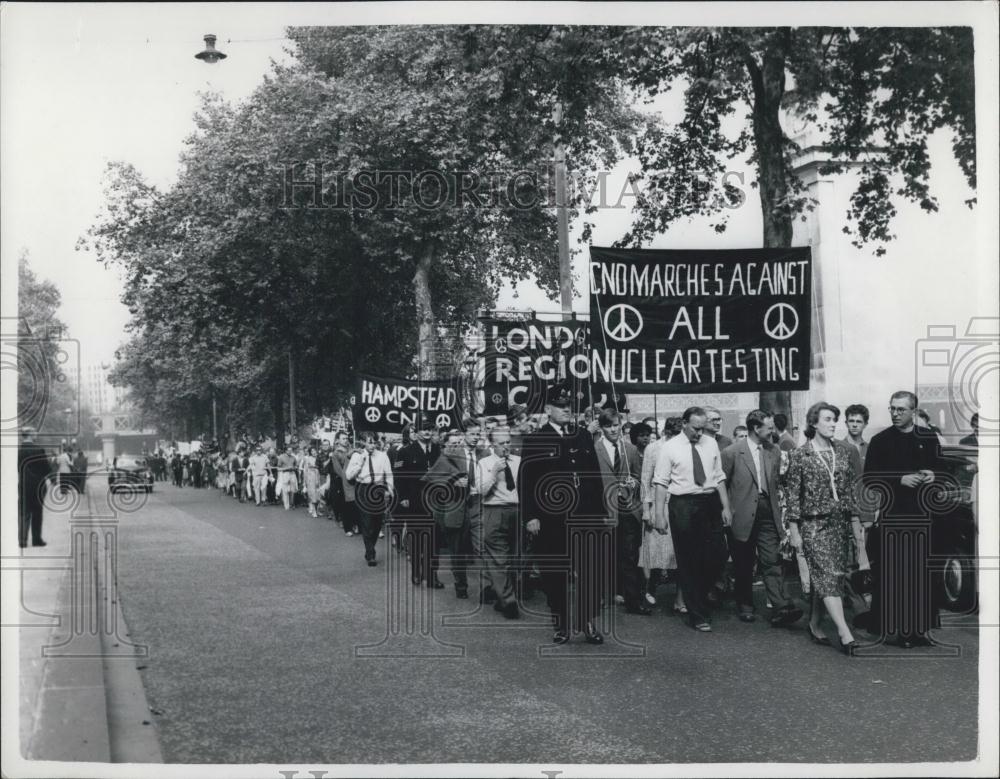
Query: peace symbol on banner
<point>781,321</point>
<point>372,414</point>
<point>622,322</point>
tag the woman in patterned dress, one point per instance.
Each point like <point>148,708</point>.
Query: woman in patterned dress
<point>310,477</point>
<point>821,506</point>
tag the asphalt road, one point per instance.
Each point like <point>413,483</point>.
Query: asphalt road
<point>254,618</point>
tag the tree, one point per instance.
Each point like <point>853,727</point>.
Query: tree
<point>878,94</point>
<point>461,102</point>
<point>44,387</point>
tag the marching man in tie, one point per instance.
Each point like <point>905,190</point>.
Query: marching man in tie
<point>752,466</point>
<point>688,474</point>
<point>371,471</point>
<point>497,485</point>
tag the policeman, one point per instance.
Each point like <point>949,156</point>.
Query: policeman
<point>561,503</point>
<point>423,537</point>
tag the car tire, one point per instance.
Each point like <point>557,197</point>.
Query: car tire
<point>957,583</point>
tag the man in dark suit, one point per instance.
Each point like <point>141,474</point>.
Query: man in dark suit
<point>32,471</point>
<point>752,466</point>
<point>561,503</point>
<point>902,462</point>
<point>621,471</point>
<point>411,464</point>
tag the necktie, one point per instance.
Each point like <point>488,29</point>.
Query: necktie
<point>699,469</point>
<point>371,469</point>
<point>472,468</point>
<point>761,477</point>
<point>508,475</point>
<point>618,462</point>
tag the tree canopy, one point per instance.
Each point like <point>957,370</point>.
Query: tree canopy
<point>370,197</point>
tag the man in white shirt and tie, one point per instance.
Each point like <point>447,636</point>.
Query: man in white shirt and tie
<point>472,443</point>
<point>372,473</point>
<point>497,477</point>
<point>752,466</point>
<point>688,474</point>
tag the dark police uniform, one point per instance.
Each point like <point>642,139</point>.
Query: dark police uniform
<point>560,485</point>
<point>410,464</point>
<point>32,471</point>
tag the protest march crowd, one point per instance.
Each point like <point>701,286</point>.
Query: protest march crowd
<point>511,498</point>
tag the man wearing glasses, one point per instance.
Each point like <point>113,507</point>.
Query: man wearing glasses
<point>713,424</point>
<point>900,466</point>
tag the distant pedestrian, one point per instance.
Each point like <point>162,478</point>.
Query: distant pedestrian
<point>785,440</point>
<point>32,479</point>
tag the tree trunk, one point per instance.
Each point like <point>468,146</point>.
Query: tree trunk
<point>768,81</point>
<point>278,410</point>
<point>426,324</point>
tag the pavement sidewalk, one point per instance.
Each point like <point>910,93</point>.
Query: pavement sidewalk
<point>80,696</point>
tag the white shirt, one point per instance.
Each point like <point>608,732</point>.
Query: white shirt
<point>358,468</point>
<point>611,448</point>
<point>756,455</point>
<point>493,485</point>
<point>674,467</point>
<point>258,465</point>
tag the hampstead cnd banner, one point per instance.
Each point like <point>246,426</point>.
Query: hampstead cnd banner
<point>679,321</point>
<point>387,404</point>
<point>523,357</point>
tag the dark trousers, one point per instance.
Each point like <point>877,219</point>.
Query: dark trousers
<point>903,605</point>
<point>335,498</point>
<point>761,547</point>
<point>30,516</point>
<point>587,568</point>
<point>349,516</point>
<point>628,538</point>
<point>499,524</point>
<point>458,543</point>
<point>423,538</point>
<point>700,543</point>
<point>370,505</point>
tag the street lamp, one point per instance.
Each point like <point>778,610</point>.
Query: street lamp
<point>210,56</point>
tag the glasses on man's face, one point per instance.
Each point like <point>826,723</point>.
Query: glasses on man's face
<point>899,409</point>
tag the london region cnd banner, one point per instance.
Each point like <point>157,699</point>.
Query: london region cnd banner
<point>523,357</point>
<point>699,321</point>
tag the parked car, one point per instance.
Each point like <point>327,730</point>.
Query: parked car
<point>129,471</point>
<point>954,530</point>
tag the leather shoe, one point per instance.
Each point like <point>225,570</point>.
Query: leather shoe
<point>417,580</point>
<point>38,543</point>
<point>747,616</point>
<point>786,616</point>
<point>372,563</point>
<point>435,583</point>
<point>591,634</point>
<point>561,636</point>
<point>639,608</point>
<point>462,594</point>
<point>511,611</point>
